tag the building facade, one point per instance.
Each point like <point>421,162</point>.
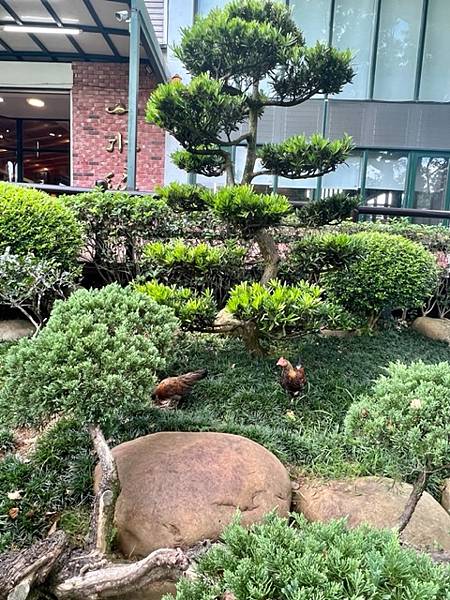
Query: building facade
<point>397,109</point>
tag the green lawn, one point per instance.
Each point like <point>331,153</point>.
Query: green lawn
<point>241,395</point>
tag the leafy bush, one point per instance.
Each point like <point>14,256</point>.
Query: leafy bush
<point>196,310</point>
<point>31,285</point>
<point>117,226</point>
<point>32,222</point>
<point>278,309</point>
<point>97,356</point>
<point>199,267</point>
<point>185,197</point>
<point>393,273</point>
<point>241,206</point>
<point>317,254</point>
<point>321,212</point>
<point>406,419</point>
<point>305,561</point>
<point>433,237</point>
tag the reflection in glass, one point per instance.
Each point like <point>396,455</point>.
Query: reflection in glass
<point>435,81</point>
<point>8,165</point>
<point>346,177</point>
<point>353,28</point>
<point>386,178</point>
<point>50,167</point>
<point>397,49</point>
<point>38,134</point>
<point>297,190</point>
<point>431,182</point>
<point>313,18</point>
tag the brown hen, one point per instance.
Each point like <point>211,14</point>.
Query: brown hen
<point>293,379</point>
<point>171,391</point>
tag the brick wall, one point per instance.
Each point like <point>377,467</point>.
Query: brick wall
<point>97,86</point>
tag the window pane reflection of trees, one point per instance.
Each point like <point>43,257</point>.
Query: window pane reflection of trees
<point>386,178</point>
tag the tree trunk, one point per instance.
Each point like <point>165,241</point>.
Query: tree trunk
<point>67,573</point>
<point>251,141</point>
<point>416,494</point>
<point>269,253</point>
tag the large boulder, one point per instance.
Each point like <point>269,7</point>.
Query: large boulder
<point>14,329</point>
<point>445,498</point>
<point>435,329</point>
<point>378,501</point>
<point>179,488</point>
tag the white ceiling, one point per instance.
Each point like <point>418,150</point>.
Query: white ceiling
<point>15,105</point>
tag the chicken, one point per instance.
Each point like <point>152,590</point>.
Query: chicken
<point>172,390</point>
<point>293,379</point>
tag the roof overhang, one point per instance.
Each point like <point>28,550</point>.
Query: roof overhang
<point>100,36</point>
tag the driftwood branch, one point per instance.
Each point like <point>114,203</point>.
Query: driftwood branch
<point>102,522</point>
<point>416,494</point>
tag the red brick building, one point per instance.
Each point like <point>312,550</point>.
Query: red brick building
<point>75,80</point>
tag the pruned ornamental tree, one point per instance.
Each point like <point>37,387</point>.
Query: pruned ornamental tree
<point>243,58</point>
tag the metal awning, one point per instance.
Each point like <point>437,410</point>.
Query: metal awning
<point>98,36</point>
<point>85,30</point>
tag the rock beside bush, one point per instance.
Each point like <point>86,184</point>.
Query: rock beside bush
<point>14,329</point>
<point>378,501</point>
<point>179,488</point>
<point>435,329</point>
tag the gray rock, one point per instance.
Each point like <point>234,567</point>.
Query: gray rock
<point>435,329</point>
<point>14,329</point>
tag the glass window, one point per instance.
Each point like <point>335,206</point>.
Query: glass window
<point>204,6</point>
<point>385,178</point>
<point>297,190</point>
<point>46,167</point>
<point>39,134</point>
<point>397,49</point>
<point>353,28</point>
<point>435,82</point>
<point>431,182</point>
<point>313,18</point>
<point>346,178</point>
<point>8,165</point>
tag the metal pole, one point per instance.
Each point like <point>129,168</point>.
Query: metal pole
<point>133,94</point>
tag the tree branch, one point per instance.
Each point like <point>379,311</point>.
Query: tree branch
<point>416,494</point>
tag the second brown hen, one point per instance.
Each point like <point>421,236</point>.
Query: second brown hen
<point>171,391</point>
<point>293,379</point>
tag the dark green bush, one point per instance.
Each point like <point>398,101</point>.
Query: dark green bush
<point>393,273</point>
<point>321,212</point>
<point>32,222</point>
<point>242,207</point>
<point>98,354</point>
<point>200,267</point>
<point>185,197</point>
<point>433,237</point>
<point>313,561</point>
<point>317,254</point>
<point>406,419</point>
<point>117,226</point>
<point>195,310</point>
<point>31,285</point>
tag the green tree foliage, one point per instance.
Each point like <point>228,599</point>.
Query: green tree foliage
<point>185,197</point>
<point>321,212</point>
<point>32,222</point>
<point>116,227</point>
<point>393,273</point>
<point>229,53</point>
<point>195,310</point>
<point>199,266</point>
<point>98,354</point>
<point>320,561</point>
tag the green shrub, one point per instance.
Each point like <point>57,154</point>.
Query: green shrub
<point>117,226</point>
<point>31,285</point>
<point>31,222</point>
<point>185,197</point>
<point>393,273</point>
<point>433,237</point>
<point>242,207</point>
<point>199,267</point>
<point>97,355</point>
<point>317,254</point>
<point>326,210</point>
<point>306,561</point>
<point>280,310</point>
<point>195,310</point>
<point>406,419</point>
